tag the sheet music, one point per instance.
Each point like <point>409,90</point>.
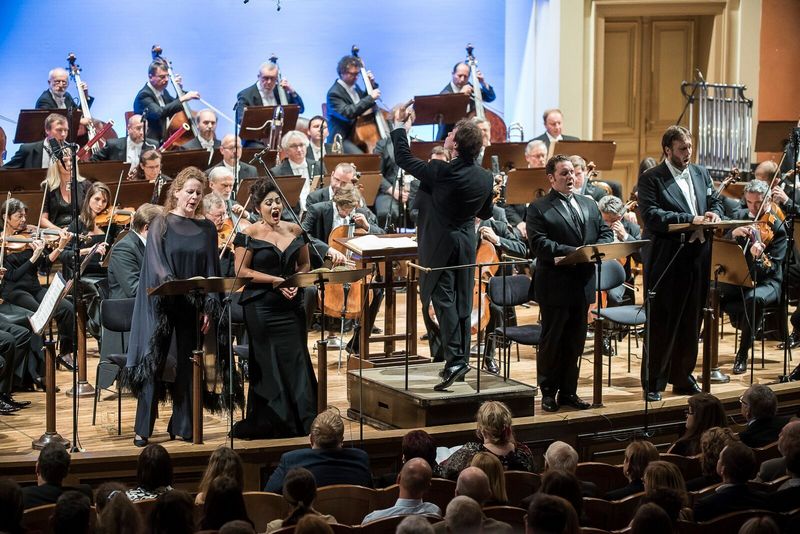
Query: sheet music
<point>58,288</point>
<point>375,242</point>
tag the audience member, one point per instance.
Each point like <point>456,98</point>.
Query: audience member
<point>760,525</point>
<point>11,507</point>
<point>737,465</point>
<point>473,483</point>
<point>638,454</point>
<point>115,512</point>
<point>153,474</point>
<point>561,456</point>
<point>704,411</point>
<point>788,495</point>
<point>237,527</point>
<point>494,429</point>
<point>72,513</point>
<point>661,474</point>
<point>52,468</point>
<point>224,461</point>
<point>312,524</point>
<point>414,480</point>
<point>299,491</point>
<point>463,516</point>
<point>173,513</point>
<point>420,444</point>
<point>650,518</point>
<point>548,514</point>
<point>671,501</point>
<point>711,444</point>
<point>565,485</point>
<point>776,467</point>
<point>224,502</point>
<point>489,464</point>
<point>414,524</point>
<point>760,408</point>
<point>326,459</point>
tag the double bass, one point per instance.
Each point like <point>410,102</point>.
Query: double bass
<point>283,99</point>
<point>92,125</point>
<point>186,116</point>
<point>499,130</point>
<point>371,127</point>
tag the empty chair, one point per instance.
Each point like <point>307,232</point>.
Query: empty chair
<point>521,484</point>
<point>115,318</point>
<point>512,291</point>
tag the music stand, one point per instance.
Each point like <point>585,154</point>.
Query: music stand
<point>363,162</point>
<point>133,193</point>
<point>441,109</point>
<point>104,171</point>
<point>772,136</point>
<point>173,162</point>
<point>525,185</point>
<point>257,121</point>
<point>511,156</point>
<point>600,152</point>
<point>423,149</point>
<point>30,124</point>
<point>22,179</point>
<point>198,287</point>
<point>595,254</point>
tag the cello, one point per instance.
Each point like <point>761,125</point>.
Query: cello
<point>371,127</point>
<point>499,130</point>
<point>92,125</point>
<point>186,116</point>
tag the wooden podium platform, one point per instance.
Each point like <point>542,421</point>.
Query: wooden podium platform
<point>387,404</point>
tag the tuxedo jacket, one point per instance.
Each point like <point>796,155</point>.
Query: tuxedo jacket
<point>763,431</point>
<point>251,97</point>
<point>322,194</point>
<point>117,149</point>
<point>28,156</point>
<point>245,170</point>
<point>729,499</point>
<point>509,242</point>
<point>285,168</point>
<point>329,466</point>
<point>46,101</point>
<point>318,222</point>
<point>310,151</point>
<point>551,233</point>
<point>194,144</point>
<point>546,139</point>
<point>343,112</point>
<point>124,266</point>
<point>157,115</point>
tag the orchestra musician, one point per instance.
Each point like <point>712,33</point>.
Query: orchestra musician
<point>95,200</point>
<point>37,155</point>
<point>181,244</point>
<point>582,185</point>
<point>220,181</point>
<point>294,144</point>
<point>446,234</point>
<point>343,174</point>
<point>207,126</point>
<point>459,83</point>
<point>231,149</point>
<point>56,95</point>
<point>127,255</point>
<point>265,91</point>
<point>15,346</point>
<point>129,148</point>
<point>282,400</point>
<point>158,104</point>
<point>613,211</point>
<point>216,211</point>
<point>346,101</point>
<point>553,124</point>
<point>536,154</point>
<point>765,262</point>
<point>536,157</point>
<point>317,131</point>
<point>57,210</point>
<point>558,223</point>
<point>675,191</point>
<point>149,169</point>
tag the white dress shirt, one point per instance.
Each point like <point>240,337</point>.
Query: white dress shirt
<point>684,181</point>
<point>267,97</point>
<point>133,152</point>
<point>351,90</point>
<point>159,94</point>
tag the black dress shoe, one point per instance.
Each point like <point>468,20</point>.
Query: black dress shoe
<point>691,388</point>
<point>66,361</point>
<point>8,399</point>
<point>450,375</point>
<point>140,442</point>
<point>490,365</point>
<point>6,408</point>
<point>740,364</point>
<point>574,401</point>
<point>652,396</point>
<point>608,347</point>
<point>549,404</point>
<point>794,341</point>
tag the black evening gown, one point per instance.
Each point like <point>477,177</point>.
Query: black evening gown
<point>282,400</point>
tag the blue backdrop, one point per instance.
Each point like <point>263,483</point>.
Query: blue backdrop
<point>217,45</point>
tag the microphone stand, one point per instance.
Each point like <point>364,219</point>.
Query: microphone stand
<point>789,222</point>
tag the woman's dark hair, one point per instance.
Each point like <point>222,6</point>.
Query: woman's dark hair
<point>419,444</point>
<point>708,413</point>
<point>154,469</point>
<point>87,215</point>
<point>260,190</point>
<point>115,512</point>
<point>224,461</point>
<point>223,502</point>
<point>563,484</point>
<point>299,490</point>
<point>650,518</point>
<point>11,507</point>
<point>173,513</point>
<point>670,500</point>
<point>14,205</point>
<point>71,514</point>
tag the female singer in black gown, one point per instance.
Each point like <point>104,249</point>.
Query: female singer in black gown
<point>282,400</point>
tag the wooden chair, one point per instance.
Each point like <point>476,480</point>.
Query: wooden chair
<point>592,530</point>
<point>521,484</point>
<point>441,492</point>
<point>688,465</point>
<point>386,497</point>
<point>512,515</point>
<point>605,476</point>
<point>37,519</point>
<point>695,496</point>
<point>347,503</point>
<point>145,507</point>
<point>767,452</point>
<point>727,523</point>
<point>381,526</point>
<point>610,515</point>
<point>263,507</point>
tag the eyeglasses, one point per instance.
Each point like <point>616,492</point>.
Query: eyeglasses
<point>296,145</point>
<point>271,201</point>
<point>224,147</point>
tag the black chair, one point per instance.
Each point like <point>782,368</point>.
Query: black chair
<point>512,291</point>
<point>115,317</point>
<point>241,349</point>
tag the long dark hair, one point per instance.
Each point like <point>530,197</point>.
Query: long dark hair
<point>299,490</point>
<point>223,502</point>
<point>708,413</point>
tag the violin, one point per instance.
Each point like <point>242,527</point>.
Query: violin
<point>120,217</point>
<point>498,125</point>
<point>224,241</point>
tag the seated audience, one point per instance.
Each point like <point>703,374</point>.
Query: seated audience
<point>153,474</point>
<point>638,454</point>
<point>173,513</point>
<point>760,408</point>
<point>565,485</point>
<point>414,524</point>
<point>299,490</point>
<point>494,429</point>
<point>414,480</point>
<point>224,461</point>
<point>661,474</point>
<point>711,444</point>
<point>760,525</point>
<point>326,459</point>
<point>52,468</point>
<point>473,483</point>
<point>11,507</point>
<point>463,516</point>
<point>704,411</point>
<point>671,501</point>
<point>489,464</point>
<point>776,467</point>
<point>115,512</point>
<point>548,514</point>
<point>415,444</point>
<point>312,524</point>
<point>788,495</point>
<point>237,527</point>
<point>72,513</point>
<point>561,456</point>
<point>650,518</point>
<point>737,465</point>
<point>223,502</point>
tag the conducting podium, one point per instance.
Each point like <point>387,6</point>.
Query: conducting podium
<point>198,287</point>
<point>595,254</point>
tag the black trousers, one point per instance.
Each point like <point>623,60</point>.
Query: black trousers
<point>562,343</point>
<point>454,330</point>
<point>731,298</point>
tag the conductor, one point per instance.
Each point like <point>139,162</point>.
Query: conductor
<point>451,194</point>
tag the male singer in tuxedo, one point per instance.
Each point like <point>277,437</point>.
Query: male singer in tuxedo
<point>158,104</point>
<point>672,192</point>
<point>347,101</point>
<point>557,224</point>
<point>450,196</point>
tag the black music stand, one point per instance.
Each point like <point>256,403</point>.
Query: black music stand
<point>30,124</point>
<point>198,287</point>
<point>257,121</point>
<point>441,109</point>
<point>600,152</point>
<point>248,153</point>
<point>511,156</point>
<point>595,254</point>
<point>526,185</point>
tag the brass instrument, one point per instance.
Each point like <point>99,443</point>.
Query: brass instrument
<point>337,147</point>
<point>515,128</point>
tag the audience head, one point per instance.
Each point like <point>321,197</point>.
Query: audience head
<point>565,485</point>
<point>560,455</point>
<point>549,514</point>
<point>737,463</point>
<point>299,490</point>
<point>312,524</point>
<point>224,461</point>
<point>53,464</point>
<point>414,478</point>
<point>473,483</point>
<point>760,525</point>
<point>223,502</point>
<point>154,468</point>
<point>419,444</point>
<point>173,513</point>
<point>637,455</point>
<point>327,430</point>
<point>650,518</point>
<point>71,514</point>
<point>789,446</point>
<point>494,423</point>
<point>661,474</point>
<point>463,515</point>
<point>711,444</point>
<point>704,411</point>
<point>237,527</point>
<point>491,465</point>
<point>116,514</point>
<point>11,507</point>
<point>414,524</point>
<point>670,500</point>
<point>758,401</point>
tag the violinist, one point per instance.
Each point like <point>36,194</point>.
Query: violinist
<point>220,181</point>
<point>459,83</point>
<point>282,400</point>
<point>95,202</point>
<point>21,282</point>
<point>57,210</point>
<point>155,104</point>
<point>216,212</point>
<point>129,148</point>
<point>15,343</point>
<point>127,254</point>
<point>765,250</point>
<point>231,150</point>
<point>207,125</point>
<point>346,101</point>
<point>294,145</point>
<point>265,91</point>
<point>56,95</point>
<point>37,155</point>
